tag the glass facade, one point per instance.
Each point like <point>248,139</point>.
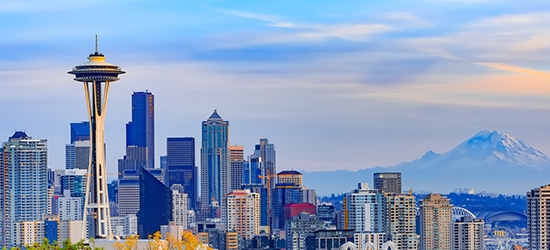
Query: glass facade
<point>215,168</point>
<point>80,131</point>
<point>155,204</point>
<point>140,132</point>
<point>180,164</point>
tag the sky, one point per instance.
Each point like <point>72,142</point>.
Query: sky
<point>333,84</point>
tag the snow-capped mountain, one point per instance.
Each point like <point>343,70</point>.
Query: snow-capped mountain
<point>486,149</point>
<point>489,161</point>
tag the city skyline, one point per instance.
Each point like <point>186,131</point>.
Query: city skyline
<point>358,85</point>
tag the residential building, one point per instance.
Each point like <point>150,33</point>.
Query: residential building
<point>70,208</point>
<point>179,207</point>
<point>435,221</point>
<point>538,218</point>
<point>467,233</point>
<point>400,217</point>
<point>243,213</point>
<point>299,228</point>
<point>23,184</point>
<point>364,210</point>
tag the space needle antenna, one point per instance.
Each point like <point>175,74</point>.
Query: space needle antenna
<point>96,51</point>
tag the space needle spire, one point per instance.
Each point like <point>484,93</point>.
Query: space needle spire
<point>97,75</point>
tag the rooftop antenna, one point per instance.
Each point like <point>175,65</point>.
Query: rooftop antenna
<point>96,44</point>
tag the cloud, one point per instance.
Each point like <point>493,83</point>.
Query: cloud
<point>296,32</point>
<point>512,68</point>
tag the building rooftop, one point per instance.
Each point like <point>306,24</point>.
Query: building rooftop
<point>289,172</point>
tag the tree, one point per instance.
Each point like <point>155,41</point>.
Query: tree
<point>129,244</point>
<point>67,245</point>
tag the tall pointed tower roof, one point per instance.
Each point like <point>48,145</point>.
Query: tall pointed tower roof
<point>215,116</point>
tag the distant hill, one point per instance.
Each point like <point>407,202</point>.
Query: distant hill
<point>489,161</point>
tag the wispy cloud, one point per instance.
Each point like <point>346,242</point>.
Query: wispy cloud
<point>512,68</point>
<point>310,32</point>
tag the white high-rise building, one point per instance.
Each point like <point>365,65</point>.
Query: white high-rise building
<point>28,232</point>
<point>23,184</point>
<point>538,216</point>
<point>173,230</point>
<point>72,230</point>
<point>467,233</point>
<point>179,208</point>
<point>70,208</point>
<point>243,213</point>
<point>364,210</point>
<point>124,225</point>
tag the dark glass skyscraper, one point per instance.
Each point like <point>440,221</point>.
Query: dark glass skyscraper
<point>140,135</point>
<point>180,166</point>
<point>155,204</point>
<point>80,131</point>
<point>140,132</point>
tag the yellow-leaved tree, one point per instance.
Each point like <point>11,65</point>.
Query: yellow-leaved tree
<point>131,243</point>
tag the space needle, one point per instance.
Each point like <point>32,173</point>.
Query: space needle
<point>96,74</point>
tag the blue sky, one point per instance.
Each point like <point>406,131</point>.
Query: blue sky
<point>334,84</point>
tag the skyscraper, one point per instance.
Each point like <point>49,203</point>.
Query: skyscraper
<point>215,168</point>
<point>155,204</point>
<point>388,182</point>
<point>467,233</point>
<point>236,155</point>
<point>179,206</point>
<point>140,132</point>
<point>400,214</point>
<point>299,228</point>
<point>180,166</point>
<point>243,213</point>
<point>364,210</point>
<point>23,184</point>
<point>77,153</point>
<point>538,216</point>
<point>435,222</point>
<point>80,131</point>
<point>97,75</point>
<point>140,135</point>
<point>265,152</point>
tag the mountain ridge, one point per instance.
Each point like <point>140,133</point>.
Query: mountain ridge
<point>489,161</point>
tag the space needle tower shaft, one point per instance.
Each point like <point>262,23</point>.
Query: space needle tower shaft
<point>96,75</point>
